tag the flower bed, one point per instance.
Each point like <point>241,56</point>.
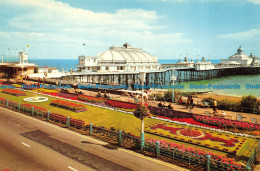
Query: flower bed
<point>218,141</point>
<point>66,95</point>
<point>35,107</point>
<point>190,121</point>
<point>47,90</point>
<point>123,105</point>
<point>190,133</point>
<point>193,151</point>
<point>227,123</point>
<point>14,92</point>
<point>91,99</point>
<point>75,107</point>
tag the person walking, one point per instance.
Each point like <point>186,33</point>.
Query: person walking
<point>191,102</point>
<point>188,102</point>
<point>215,106</point>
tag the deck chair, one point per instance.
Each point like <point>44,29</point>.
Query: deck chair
<point>254,120</point>
<point>239,117</point>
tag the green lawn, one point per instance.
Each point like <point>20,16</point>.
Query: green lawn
<point>128,123</point>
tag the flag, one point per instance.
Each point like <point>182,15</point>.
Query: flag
<point>28,46</point>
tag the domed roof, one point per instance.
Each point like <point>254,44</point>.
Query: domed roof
<point>126,54</point>
<point>240,51</point>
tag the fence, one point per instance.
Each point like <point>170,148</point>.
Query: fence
<point>253,157</point>
<point>129,141</point>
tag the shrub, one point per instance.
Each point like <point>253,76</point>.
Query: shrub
<point>228,105</point>
<point>168,96</point>
<point>209,100</point>
<point>249,103</point>
<point>159,97</point>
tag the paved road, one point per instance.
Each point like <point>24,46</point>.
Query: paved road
<point>30,144</point>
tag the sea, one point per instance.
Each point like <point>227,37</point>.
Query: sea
<point>239,85</point>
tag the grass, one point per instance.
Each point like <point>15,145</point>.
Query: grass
<point>128,123</point>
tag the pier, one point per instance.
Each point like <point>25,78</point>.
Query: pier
<point>157,77</point>
<point>190,74</point>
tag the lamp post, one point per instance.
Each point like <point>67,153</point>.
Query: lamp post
<point>142,79</point>
<point>173,79</point>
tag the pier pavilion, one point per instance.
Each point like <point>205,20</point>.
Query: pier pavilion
<point>241,58</point>
<point>125,58</point>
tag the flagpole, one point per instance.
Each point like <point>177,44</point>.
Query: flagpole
<point>83,48</point>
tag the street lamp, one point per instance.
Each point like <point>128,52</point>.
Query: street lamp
<point>173,79</point>
<point>142,79</point>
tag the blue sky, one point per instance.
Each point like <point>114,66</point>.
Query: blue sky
<point>164,28</point>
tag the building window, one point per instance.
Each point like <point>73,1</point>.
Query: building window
<point>107,67</point>
<point>98,68</point>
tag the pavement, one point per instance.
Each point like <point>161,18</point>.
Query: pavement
<point>29,144</point>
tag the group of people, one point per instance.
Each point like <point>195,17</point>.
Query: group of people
<point>190,102</point>
<point>164,105</point>
<point>106,96</point>
<point>136,97</point>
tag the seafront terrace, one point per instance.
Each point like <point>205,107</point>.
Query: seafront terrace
<point>118,120</point>
<point>125,97</point>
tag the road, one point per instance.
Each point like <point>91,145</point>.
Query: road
<point>28,144</point>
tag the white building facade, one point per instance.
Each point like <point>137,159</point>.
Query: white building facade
<point>241,58</point>
<point>203,65</point>
<point>125,58</point>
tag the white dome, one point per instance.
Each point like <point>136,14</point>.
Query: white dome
<point>126,54</point>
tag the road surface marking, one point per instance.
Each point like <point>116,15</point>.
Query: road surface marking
<point>25,144</point>
<point>72,168</point>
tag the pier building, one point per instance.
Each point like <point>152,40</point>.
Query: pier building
<point>185,63</point>
<point>203,65</point>
<point>16,69</point>
<point>241,58</point>
<point>125,58</point>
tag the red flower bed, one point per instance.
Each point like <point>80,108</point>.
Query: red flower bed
<point>190,133</point>
<point>91,99</point>
<point>227,123</point>
<point>68,105</point>
<point>14,92</point>
<point>228,143</point>
<point>58,117</point>
<point>182,148</point>
<point>190,121</point>
<point>121,104</point>
<point>2,99</point>
<point>193,134</point>
<point>65,95</point>
<point>163,126</point>
<point>76,122</point>
<point>35,107</point>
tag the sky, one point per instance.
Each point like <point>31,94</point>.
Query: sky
<point>168,29</point>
